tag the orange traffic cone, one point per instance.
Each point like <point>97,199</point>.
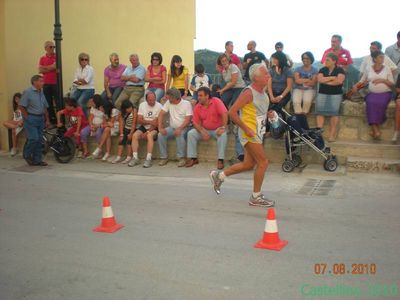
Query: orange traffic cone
<point>108,223</point>
<point>270,238</point>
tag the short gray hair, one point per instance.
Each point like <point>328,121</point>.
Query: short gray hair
<point>255,70</point>
<point>148,92</point>
<point>47,43</point>
<point>114,54</point>
<point>134,55</point>
<point>174,93</point>
<point>83,55</point>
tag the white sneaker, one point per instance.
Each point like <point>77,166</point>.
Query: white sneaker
<point>117,160</point>
<point>96,153</point>
<point>395,136</point>
<point>13,151</point>
<point>106,156</point>
<point>127,160</point>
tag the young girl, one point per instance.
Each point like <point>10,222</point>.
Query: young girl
<point>127,125</point>
<point>77,119</point>
<point>179,75</point>
<point>97,121</point>
<point>111,128</point>
<point>16,124</point>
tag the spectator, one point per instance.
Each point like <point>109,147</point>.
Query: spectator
<point>343,55</point>
<point>305,81</point>
<point>330,94</point>
<point>380,82</point>
<point>201,79</point>
<point>210,118</point>
<point>133,76</point>
<point>234,58</point>
<point>397,113</point>
<point>251,58</point>
<point>367,61</point>
<point>393,52</point>
<point>180,113</point>
<point>33,106</point>
<point>16,124</point>
<point>279,48</point>
<point>83,84</point>
<point>47,67</point>
<point>179,76</point>
<point>280,82</point>
<point>127,124</point>
<point>113,84</point>
<point>156,75</point>
<point>146,128</point>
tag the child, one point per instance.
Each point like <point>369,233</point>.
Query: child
<point>199,80</point>
<point>97,120</point>
<point>77,119</point>
<point>127,125</point>
<point>16,124</point>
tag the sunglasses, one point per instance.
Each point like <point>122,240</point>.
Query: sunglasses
<point>155,58</point>
<point>84,59</point>
<point>51,47</point>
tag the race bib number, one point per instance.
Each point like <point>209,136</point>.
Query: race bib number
<point>261,123</point>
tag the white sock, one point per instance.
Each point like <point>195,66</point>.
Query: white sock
<point>256,194</point>
<point>135,155</point>
<point>148,157</point>
<point>222,176</point>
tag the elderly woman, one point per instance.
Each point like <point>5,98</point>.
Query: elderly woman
<point>380,82</point>
<point>234,82</point>
<point>156,75</point>
<point>280,83</point>
<point>330,94</point>
<point>305,81</point>
<point>83,84</point>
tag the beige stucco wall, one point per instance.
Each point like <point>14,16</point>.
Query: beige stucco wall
<point>97,27</point>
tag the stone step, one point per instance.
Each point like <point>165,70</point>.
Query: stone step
<point>369,164</point>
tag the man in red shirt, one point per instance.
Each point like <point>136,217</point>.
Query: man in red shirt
<point>344,56</point>
<point>210,118</point>
<point>47,67</point>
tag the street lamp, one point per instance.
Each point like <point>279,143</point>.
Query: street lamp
<point>58,39</point>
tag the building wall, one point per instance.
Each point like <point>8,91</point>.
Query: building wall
<point>97,27</point>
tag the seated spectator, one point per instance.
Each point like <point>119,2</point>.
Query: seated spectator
<point>393,52</point>
<point>180,113</point>
<point>210,119</point>
<point>368,61</point>
<point>251,58</point>
<point>279,48</point>
<point>146,129</point>
<point>156,75</point>
<point>305,84</point>
<point>16,124</point>
<point>234,58</point>
<point>397,114</point>
<point>178,75</point>
<point>343,55</point>
<point>133,76</point>
<point>330,94</point>
<point>201,79</point>
<point>113,84</point>
<point>280,82</point>
<point>76,119</point>
<point>380,82</point>
<point>127,124</point>
<point>83,84</point>
<point>97,120</point>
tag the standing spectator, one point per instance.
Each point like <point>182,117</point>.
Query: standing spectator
<point>280,82</point>
<point>251,58</point>
<point>180,113</point>
<point>47,67</point>
<point>201,79</point>
<point>33,106</point>
<point>83,82</point>
<point>234,58</point>
<point>133,77</point>
<point>330,94</point>
<point>16,124</point>
<point>343,55</point>
<point>179,76</point>
<point>146,129</point>
<point>397,113</point>
<point>305,81</point>
<point>210,118</point>
<point>156,75</point>
<point>113,84</point>
<point>279,48</point>
<point>393,52</point>
<point>368,61</point>
<point>380,82</point>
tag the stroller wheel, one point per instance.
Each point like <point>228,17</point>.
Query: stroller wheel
<point>331,164</point>
<point>287,166</point>
<point>296,159</point>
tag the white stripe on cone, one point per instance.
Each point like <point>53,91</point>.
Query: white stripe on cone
<point>271,226</point>
<point>107,212</point>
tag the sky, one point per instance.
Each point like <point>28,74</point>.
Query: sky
<point>302,25</point>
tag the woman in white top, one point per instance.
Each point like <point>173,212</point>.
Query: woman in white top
<point>380,81</point>
<point>16,124</point>
<point>83,83</point>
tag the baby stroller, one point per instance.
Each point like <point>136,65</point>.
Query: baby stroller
<point>298,134</point>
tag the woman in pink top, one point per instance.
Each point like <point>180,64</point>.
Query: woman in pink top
<point>156,75</point>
